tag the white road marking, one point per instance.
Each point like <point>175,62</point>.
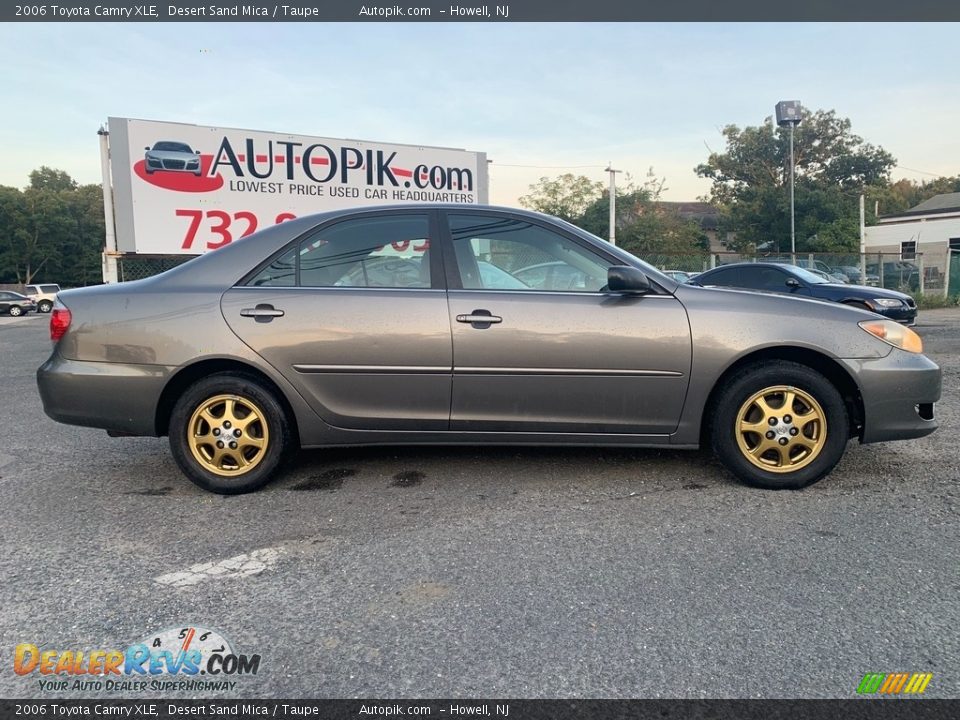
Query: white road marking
<point>240,566</point>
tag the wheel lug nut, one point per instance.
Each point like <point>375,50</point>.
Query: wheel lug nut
<point>233,445</point>
<point>772,421</point>
<point>236,433</point>
<point>782,441</point>
<point>787,419</point>
<point>219,443</point>
<point>226,424</point>
<point>770,434</point>
<point>216,431</point>
<point>793,431</point>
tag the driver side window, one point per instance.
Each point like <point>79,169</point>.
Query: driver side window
<point>508,254</point>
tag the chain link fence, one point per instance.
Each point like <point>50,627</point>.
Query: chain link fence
<point>137,267</point>
<point>917,274</point>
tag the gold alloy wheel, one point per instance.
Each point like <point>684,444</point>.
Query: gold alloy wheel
<point>781,429</point>
<point>228,435</point>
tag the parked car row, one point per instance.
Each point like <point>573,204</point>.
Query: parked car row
<point>35,298</point>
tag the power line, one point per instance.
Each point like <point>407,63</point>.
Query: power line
<point>922,172</point>
<point>549,167</point>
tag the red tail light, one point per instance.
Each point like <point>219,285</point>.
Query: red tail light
<point>60,318</point>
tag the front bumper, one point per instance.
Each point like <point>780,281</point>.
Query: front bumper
<point>899,392</point>
<point>121,397</point>
<point>904,314</point>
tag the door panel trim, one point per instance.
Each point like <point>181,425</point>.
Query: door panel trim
<point>376,369</point>
<point>564,371</point>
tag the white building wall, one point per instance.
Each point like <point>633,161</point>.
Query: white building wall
<point>932,232</point>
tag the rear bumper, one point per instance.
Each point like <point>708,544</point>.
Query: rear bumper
<point>899,392</point>
<point>114,396</point>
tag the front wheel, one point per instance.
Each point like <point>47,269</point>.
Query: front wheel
<point>45,306</point>
<point>229,434</point>
<point>779,425</point>
<point>16,311</point>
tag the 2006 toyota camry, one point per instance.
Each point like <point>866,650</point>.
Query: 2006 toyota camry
<point>403,325</point>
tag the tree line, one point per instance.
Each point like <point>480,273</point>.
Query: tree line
<point>51,231</point>
<point>750,190</point>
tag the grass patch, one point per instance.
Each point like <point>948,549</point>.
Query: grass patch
<point>930,301</point>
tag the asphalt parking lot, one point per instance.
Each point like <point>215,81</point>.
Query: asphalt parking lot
<point>486,572</point>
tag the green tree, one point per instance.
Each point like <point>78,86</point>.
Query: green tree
<point>833,166</point>
<point>645,224</point>
<point>566,196</point>
<point>51,231</point>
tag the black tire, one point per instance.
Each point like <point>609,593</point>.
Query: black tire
<point>830,433</point>
<point>195,456</point>
<point>15,311</point>
<point>45,306</point>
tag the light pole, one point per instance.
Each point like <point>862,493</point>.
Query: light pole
<point>788,113</point>
<point>613,202</point>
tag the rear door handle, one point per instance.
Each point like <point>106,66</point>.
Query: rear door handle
<point>264,312</point>
<point>480,318</point>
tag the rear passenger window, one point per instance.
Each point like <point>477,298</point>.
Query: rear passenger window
<point>391,251</point>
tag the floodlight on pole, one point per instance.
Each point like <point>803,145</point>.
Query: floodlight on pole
<point>789,113</point>
<point>613,202</point>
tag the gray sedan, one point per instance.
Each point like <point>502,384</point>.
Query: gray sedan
<point>379,326</point>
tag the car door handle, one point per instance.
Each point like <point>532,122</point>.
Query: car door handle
<point>263,312</point>
<point>484,317</point>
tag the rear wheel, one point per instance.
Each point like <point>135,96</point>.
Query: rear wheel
<point>779,425</point>
<point>16,311</point>
<point>45,306</point>
<point>229,434</point>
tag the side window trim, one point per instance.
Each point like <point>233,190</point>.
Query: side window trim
<point>434,228</point>
<point>452,271</point>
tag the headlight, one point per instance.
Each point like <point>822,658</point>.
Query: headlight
<point>894,334</point>
<point>886,302</point>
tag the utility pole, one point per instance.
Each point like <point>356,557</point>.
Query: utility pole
<point>788,112</point>
<point>863,243</point>
<point>613,202</point>
<point>109,257</point>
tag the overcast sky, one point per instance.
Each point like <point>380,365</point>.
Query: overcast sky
<point>557,96</point>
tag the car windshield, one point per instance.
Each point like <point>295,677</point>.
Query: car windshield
<point>172,147</point>
<point>808,276</point>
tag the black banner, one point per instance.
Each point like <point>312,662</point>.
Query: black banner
<point>504,11</point>
<point>863,709</point>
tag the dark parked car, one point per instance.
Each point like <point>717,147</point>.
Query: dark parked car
<point>13,303</point>
<point>792,280</point>
<point>319,332</point>
<point>900,274</point>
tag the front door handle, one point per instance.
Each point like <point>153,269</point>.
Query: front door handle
<point>480,319</point>
<point>264,312</point>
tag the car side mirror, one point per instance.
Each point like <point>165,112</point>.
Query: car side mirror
<point>196,152</point>
<point>628,280</point>
<point>792,283</point>
<point>147,147</point>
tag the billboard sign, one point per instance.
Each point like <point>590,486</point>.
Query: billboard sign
<point>188,189</point>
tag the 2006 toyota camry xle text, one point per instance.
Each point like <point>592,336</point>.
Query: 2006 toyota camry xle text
<point>407,325</point>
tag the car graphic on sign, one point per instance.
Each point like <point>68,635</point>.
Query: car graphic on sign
<point>172,156</point>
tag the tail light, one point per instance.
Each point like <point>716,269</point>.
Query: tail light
<point>60,318</point>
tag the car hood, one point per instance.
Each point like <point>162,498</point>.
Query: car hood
<point>864,291</point>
